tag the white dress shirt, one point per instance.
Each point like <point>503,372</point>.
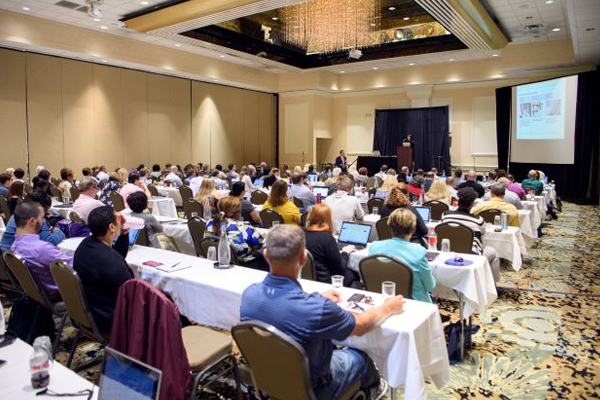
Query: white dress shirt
<point>343,208</point>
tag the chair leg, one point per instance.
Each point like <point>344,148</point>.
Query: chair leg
<point>73,348</point>
<point>236,376</point>
<point>59,334</point>
<point>32,329</point>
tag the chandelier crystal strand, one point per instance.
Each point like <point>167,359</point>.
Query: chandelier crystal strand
<point>327,26</point>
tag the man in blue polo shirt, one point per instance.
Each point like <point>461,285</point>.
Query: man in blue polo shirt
<point>313,320</point>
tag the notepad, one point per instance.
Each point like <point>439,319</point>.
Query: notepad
<point>172,267</point>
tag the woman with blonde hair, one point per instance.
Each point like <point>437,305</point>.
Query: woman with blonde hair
<point>388,183</point>
<point>438,191</point>
<point>123,175</point>
<point>324,248</point>
<point>402,224</point>
<point>334,178</point>
<point>280,202</point>
<point>398,199</point>
<point>298,169</point>
<point>208,190</point>
<point>245,177</point>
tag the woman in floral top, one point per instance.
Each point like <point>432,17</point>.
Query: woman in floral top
<point>243,238</point>
<point>113,185</point>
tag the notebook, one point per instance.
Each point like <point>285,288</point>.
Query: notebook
<point>355,234</point>
<point>425,213</point>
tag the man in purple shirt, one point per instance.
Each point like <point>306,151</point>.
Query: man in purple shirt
<point>37,254</point>
<point>513,187</point>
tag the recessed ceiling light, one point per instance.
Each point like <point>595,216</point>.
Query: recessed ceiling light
<point>274,18</point>
<point>495,55</point>
<point>556,30</point>
<point>104,27</point>
<point>97,19</point>
<point>452,59</point>
<point>222,56</point>
<point>26,8</point>
<point>341,72</point>
<point>144,3</point>
<point>392,8</point>
<point>177,44</point>
<point>411,64</point>
<point>104,61</point>
<point>375,67</point>
<point>373,24</point>
<point>549,1</point>
<point>406,18</point>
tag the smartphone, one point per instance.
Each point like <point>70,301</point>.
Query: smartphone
<point>356,297</point>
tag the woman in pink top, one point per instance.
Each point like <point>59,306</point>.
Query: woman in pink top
<point>134,185</point>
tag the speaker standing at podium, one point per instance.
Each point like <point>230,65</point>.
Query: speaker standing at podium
<point>408,141</point>
<point>341,161</point>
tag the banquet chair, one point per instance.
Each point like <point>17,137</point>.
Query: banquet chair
<point>298,203</point>
<point>383,230</point>
<point>372,192</point>
<point>437,209</point>
<point>308,271</point>
<point>8,282</point>
<point>73,295</point>
<point>5,209</point>
<point>191,206</point>
<point>379,181</point>
<point>378,268</point>
<point>268,351</point>
<point>303,218</point>
<point>267,216</point>
<point>489,215</point>
<point>372,182</point>
<point>197,226</point>
<point>117,200</point>
<point>153,191</point>
<point>258,197</point>
<point>143,239</point>
<point>186,193</point>
<point>461,237</point>
<point>213,241</point>
<point>35,292</point>
<point>55,193</point>
<point>375,202</point>
<point>73,216</point>
<point>74,192</point>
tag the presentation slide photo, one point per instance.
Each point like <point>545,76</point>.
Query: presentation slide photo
<point>541,111</point>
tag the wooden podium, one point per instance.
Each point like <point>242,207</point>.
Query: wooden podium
<point>405,158</point>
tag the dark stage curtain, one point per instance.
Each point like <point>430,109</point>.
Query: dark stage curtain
<point>578,182</point>
<point>428,127</point>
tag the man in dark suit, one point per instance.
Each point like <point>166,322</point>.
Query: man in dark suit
<point>341,161</point>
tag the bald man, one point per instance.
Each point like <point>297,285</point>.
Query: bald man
<point>532,183</point>
<point>472,183</point>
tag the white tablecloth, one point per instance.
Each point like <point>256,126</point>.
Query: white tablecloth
<point>474,281</point>
<point>536,216</point>
<point>172,193</point>
<point>180,233</point>
<point>509,244</point>
<point>407,348</point>
<point>529,233</point>
<point>16,380</point>
<point>372,219</point>
<point>59,208</point>
<point>163,207</point>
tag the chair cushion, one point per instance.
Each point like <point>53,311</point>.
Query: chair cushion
<point>204,346</point>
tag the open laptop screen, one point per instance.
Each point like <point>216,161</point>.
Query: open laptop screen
<point>425,213</point>
<point>320,189</point>
<point>355,233</point>
<point>313,178</point>
<point>123,377</point>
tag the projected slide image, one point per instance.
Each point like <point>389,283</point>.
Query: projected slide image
<point>541,111</point>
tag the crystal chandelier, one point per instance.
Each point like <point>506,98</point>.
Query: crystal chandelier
<point>326,26</point>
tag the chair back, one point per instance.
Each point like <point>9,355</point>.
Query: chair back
<point>72,293</point>
<point>437,209</point>
<point>489,215</point>
<point>197,226</point>
<point>190,206</point>
<point>186,192</point>
<point>269,351</point>
<point>375,202</point>
<point>54,192</point>
<point>383,230</point>
<point>379,268</point>
<point>461,237</point>
<point>152,189</point>
<point>74,192</point>
<point>371,182</point>
<point>258,197</point>
<point>379,181</point>
<point>372,192</point>
<point>28,282</point>
<point>4,207</point>
<point>7,279</point>
<point>213,241</point>
<point>298,203</point>
<point>142,238</point>
<point>303,218</point>
<point>267,216</point>
<point>117,201</point>
<point>308,271</point>
<point>73,216</point>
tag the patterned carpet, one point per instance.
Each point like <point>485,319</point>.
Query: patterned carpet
<point>539,340</point>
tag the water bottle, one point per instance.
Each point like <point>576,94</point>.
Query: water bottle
<point>318,198</point>
<point>206,212</point>
<point>504,220</point>
<point>39,362</point>
<point>432,239</point>
<point>224,250</point>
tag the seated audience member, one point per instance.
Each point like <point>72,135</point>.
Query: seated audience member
<point>513,187</point>
<point>472,183</point>
<point>39,169</point>
<point>86,171</point>
<point>429,178</point>
<point>438,191</point>
<point>344,206</point>
<point>332,181</point>
<point>353,172</point>
<point>249,213</point>
<point>123,176</point>
<point>137,203</point>
<point>402,224</point>
<point>463,216</point>
<point>313,320</point>
<point>248,177</point>
<point>302,192</point>
<point>232,171</point>
<point>66,183</point>
<point>5,181</point>
<point>501,173</point>
<point>220,184</point>
<point>19,174</point>
<point>245,240</point>
<point>15,194</point>
<point>491,178</point>
<point>37,254</point>
<point>509,197</point>
<point>196,182</point>
<point>451,186</point>
<point>311,170</point>
<point>134,184</point>
<point>398,198</point>
<point>458,176</point>
<point>415,187</point>
<point>144,177</point>
<point>100,263</point>
<point>221,174</point>
<point>102,175</point>
<point>496,202</point>
<point>209,192</point>
<point>86,202</point>
<point>279,201</point>
<point>389,182</point>
<point>406,171</point>
<point>382,172</point>
<point>173,177</point>
<point>156,174</point>
<point>362,177</point>
<point>532,183</point>
<point>271,179</point>
<point>324,248</point>
<point>113,185</point>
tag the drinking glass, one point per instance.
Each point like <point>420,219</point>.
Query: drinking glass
<point>337,281</point>
<point>375,210</point>
<point>388,289</point>
<point>446,245</point>
<point>212,254</point>
<point>497,220</point>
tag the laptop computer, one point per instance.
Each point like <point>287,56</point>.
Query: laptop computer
<point>259,182</point>
<point>425,213</point>
<point>133,234</point>
<point>313,178</point>
<point>320,190</point>
<point>545,180</point>
<point>123,377</point>
<point>354,233</point>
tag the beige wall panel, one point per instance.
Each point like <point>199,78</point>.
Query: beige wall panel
<point>267,128</point>
<point>203,107</point>
<point>107,117</point>
<point>169,124</point>
<point>134,122</point>
<point>227,142</point>
<point>45,122</point>
<point>77,104</point>
<point>13,124</point>
<point>251,126</point>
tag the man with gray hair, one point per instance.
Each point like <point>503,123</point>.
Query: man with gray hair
<point>509,197</point>
<point>174,178</point>
<point>472,183</point>
<point>451,184</point>
<point>86,202</point>
<point>496,202</point>
<point>344,206</point>
<point>313,320</point>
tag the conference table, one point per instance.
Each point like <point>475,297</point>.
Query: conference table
<point>407,348</point>
<point>172,193</point>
